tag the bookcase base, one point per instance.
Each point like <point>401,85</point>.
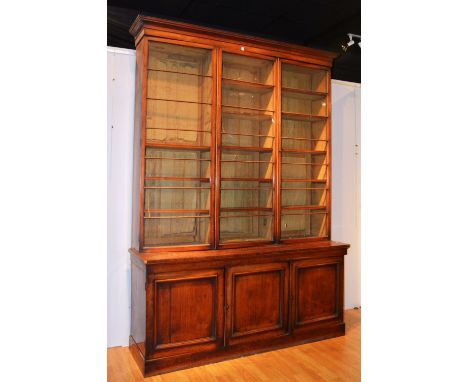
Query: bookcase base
<point>199,307</point>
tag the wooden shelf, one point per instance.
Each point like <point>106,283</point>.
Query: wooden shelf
<point>245,161</point>
<point>175,188</point>
<point>302,188</point>
<point>248,114</point>
<point>176,211</point>
<point>302,117</point>
<point>191,159</point>
<point>236,209</point>
<point>244,216</point>
<point>317,212</point>
<point>248,135</point>
<point>306,207</point>
<point>305,139</point>
<point>244,188</point>
<point>178,100</point>
<point>304,92</point>
<point>177,146</point>
<point>245,85</point>
<point>247,148</point>
<point>260,180</point>
<point>303,180</point>
<point>169,129</point>
<point>179,217</point>
<point>182,73</point>
<point>304,163</point>
<point>248,108</point>
<point>176,178</point>
<point>313,152</point>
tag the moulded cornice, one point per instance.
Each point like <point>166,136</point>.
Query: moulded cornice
<point>147,25</point>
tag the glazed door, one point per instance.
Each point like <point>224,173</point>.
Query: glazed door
<point>257,302</point>
<point>185,311</point>
<point>247,141</point>
<point>178,140</point>
<point>316,292</point>
<point>305,152</point>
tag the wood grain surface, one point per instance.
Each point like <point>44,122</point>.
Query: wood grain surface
<point>336,359</point>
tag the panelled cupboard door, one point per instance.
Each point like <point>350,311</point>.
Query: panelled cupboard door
<point>257,302</point>
<point>317,292</point>
<point>185,312</point>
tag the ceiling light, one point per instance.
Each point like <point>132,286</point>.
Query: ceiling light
<point>345,45</point>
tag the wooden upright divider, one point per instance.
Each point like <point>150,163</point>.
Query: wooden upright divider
<point>231,250</point>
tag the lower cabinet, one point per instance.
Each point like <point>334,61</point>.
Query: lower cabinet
<point>186,314</point>
<point>317,292</point>
<point>257,302</point>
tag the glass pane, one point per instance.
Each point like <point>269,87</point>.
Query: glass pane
<point>177,122</point>
<point>297,77</point>
<point>246,194</point>
<point>180,59</point>
<point>255,130</point>
<point>177,229</point>
<point>304,135</point>
<point>246,164</point>
<point>303,166</point>
<point>303,171</point>
<point>177,174</point>
<point>248,97</point>
<point>303,194</point>
<point>177,195</point>
<point>179,87</point>
<point>313,105</point>
<point>295,224</point>
<point>247,140</point>
<point>177,163</point>
<point>240,226</point>
<point>250,69</point>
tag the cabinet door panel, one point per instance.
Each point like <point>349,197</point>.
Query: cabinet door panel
<point>317,292</point>
<point>257,301</point>
<point>187,312</point>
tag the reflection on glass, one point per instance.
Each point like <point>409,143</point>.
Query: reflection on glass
<point>297,224</point>
<point>239,226</point>
<point>242,68</point>
<point>304,146</point>
<point>296,77</point>
<point>177,188</point>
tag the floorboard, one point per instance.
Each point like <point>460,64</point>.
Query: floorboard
<point>336,359</point>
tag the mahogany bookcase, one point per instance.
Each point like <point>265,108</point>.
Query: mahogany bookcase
<point>231,247</point>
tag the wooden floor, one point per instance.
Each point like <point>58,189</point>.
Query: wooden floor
<point>336,359</point>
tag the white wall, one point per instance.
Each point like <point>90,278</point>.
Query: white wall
<point>120,95</point>
<point>120,104</point>
<point>346,179</point>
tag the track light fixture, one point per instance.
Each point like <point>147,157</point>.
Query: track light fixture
<point>345,45</point>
